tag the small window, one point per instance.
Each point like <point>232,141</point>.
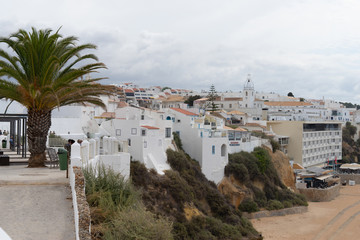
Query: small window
<point>143,132</point>
<point>142,117</point>
<point>118,132</point>
<point>213,149</point>
<point>133,131</point>
<point>129,142</point>
<point>167,132</point>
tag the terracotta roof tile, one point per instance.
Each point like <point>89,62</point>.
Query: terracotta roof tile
<point>254,125</point>
<point>183,111</point>
<point>233,99</point>
<point>107,115</point>
<point>150,127</point>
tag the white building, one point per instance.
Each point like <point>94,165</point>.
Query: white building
<point>146,133</point>
<point>310,143</point>
<point>202,142</point>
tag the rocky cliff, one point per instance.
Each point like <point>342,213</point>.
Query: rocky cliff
<point>260,180</point>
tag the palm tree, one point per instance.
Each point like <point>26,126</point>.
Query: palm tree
<point>45,72</point>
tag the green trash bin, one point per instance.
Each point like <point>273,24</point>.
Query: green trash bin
<point>4,143</point>
<point>62,158</point>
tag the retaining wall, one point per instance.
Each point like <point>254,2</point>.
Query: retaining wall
<point>319,194</point>
<point>273,213</point>
<point>81,207</point>
<point>347,177</point>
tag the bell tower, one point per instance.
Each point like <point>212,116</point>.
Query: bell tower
<point>248,93</point>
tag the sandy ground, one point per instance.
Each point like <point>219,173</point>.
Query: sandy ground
<point>337,219</point>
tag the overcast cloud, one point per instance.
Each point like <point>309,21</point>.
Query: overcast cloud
<point>311,48</point>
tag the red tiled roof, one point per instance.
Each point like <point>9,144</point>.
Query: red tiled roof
<point>129,91</point>
<point>150,127</point>
<point>122,104</point>
<point>108,115</point>
<point>183,111</point>
<point>166,93</point>
<point>233,99</point>
<point>135,89</point>
<point>254,125</point>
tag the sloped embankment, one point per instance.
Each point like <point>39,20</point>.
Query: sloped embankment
<point>194,205</point>
<point>252,181</point>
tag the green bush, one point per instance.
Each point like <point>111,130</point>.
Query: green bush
<point>116,208</point>
<point>263,158</point>
<point>274,205</point>
<point>275,145</point>
<point>249,206</point>
<point>138,224</point>
<point>287,204</point>
<point>177,140</point>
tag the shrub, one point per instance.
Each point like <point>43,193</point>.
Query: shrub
<point>275,145</point>
<point>249,206</point>
<point>263,158</point>
<point>138,224</point>
<point>103,185</point>
<point>274,205</point>
<point>287,204</point>
<point>116,208</point>
<point>177,140</point>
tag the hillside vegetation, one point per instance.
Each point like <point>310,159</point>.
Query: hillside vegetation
<point>194,205</point>
<point>254,175</point>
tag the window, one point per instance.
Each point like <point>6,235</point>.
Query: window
<point>129,142</point>
<point>133,131</point>
<point>213,149</point>
<point>223,150</point>
<point>167,132</point>
<point>142,117</point>
<point>118,132</point>
<point>230,105</point>
<point>143,132</point>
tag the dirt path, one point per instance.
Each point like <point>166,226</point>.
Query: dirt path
<point>338,219</point>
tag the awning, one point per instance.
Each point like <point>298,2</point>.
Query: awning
<point>352,166</point>
<point>323,177</point>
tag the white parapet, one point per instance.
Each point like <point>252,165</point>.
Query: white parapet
<point>85,151</point>
<point>92,148</point>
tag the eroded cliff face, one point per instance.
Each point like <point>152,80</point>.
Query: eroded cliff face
<point>283,167</point>
<point>237,191</point>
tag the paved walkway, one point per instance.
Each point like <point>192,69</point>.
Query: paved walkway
<point>35,203</point>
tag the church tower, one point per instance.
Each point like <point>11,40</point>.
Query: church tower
<point>248,93</point>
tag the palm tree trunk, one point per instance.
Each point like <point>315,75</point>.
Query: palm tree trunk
<point>39,122</point>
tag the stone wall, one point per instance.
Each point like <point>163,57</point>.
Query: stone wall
<point>281,212</point>
<point>321,195</point>
<point>80,205</point>
<point>347,177</point>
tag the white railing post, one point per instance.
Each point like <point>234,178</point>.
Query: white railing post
<point>76,155</point>
<point>85,151</point>
<point>92,148</point>
<point>97,146</point>
<point>105,145</point>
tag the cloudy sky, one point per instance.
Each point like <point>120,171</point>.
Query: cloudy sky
<point>311,48</point>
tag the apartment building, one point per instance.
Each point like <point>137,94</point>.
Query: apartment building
<point>310,143</point>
